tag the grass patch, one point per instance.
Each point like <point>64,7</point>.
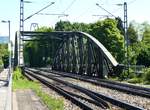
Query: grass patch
<point>134,80</point>
<point>20,82</point>
<point>52,103</point>
<point>25,84</point>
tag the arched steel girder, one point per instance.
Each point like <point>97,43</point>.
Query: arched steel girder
<point>78,52</point>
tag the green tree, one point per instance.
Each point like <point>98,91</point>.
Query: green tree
<point>134,50</point>
<point>143,58</point>
<point>63,26</point>
<point>3,52</point>
<point>80,27</point>
<point>67,26</point>
<point>132,34</point>
<point>120,25</point>
<point>44,29</point>
<point>140,54</point>
<point>146,33</point>
<point>109,35</point>
<point>37,53</point>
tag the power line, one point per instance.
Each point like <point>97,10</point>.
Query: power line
<point>53,14</point>
<point>102,16</point>
<point>39,11</point>
<point>69,6</point>
<point>120,4</point>
<point>105,10</point>
<point>83,13</point>
<point>132,2</point>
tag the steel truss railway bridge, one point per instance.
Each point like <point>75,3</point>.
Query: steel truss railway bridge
<point>77,52</point>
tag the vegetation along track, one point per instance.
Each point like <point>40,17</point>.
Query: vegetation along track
<point>111,100</point>
<point>79,100</point>
<point>131,89</point>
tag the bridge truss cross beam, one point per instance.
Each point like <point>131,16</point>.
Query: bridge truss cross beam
<point>76,52</point>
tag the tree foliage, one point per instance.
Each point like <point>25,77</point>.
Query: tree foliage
<point>3,54</point>
<point>120,25</point>
<point>132,34</point>
<point>108,32</point>
<point>109,35</point>
<point>36,53</point>
<point>44,29</point>
<point>146,33</point>
<point>63,26</point>
<point>139,53</point>
<point>67,26</point>
<point>143,58</point>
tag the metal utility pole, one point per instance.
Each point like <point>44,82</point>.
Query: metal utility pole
<point>21,15</point>
<point>20,51</point>
<point>9,49</point>
<point>126,34</point>
<point>126,39</point>
<point>21,28</point>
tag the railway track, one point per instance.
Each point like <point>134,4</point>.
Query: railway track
<point>131,89</point>
<point>77,96</point>
<point>96,96</point>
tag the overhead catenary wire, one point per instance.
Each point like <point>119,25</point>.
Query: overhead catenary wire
<point>85,12</point>
<point>105,10</point>
<point>132,2</point>
<point>39,11</point>
<point>120,4</point>
<point>102,16</point>
<point>53,14</point>
<point>69,6</point>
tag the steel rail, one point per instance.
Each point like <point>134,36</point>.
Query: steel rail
<point>121,87</point>
<point>123,84</point>
<point>104,103</point>
<point>62,92</point>
<point>104,97</point>
<point>135,90</point>
<point>72,94</point>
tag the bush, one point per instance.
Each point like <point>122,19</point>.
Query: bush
<point>124,75</point>
<point>17,75</point>
<point>5,59</point>
<point>146,76</point>
<point>135,80</point>
<point>131,73</point>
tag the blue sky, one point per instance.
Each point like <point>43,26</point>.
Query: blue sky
<point>78,11</point>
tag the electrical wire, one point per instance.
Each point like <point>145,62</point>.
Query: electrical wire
<point>105,10</point>
<point>39,11</point>
<point>57,14</point>
<point>69,6</point>
<point>120,8</point>
<point>83,13</point>
<point>132,2</point>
